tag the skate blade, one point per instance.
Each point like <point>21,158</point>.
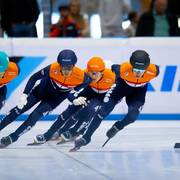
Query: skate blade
<point>105,142</point>
<point>74,149</point>
<point>55,139</point>
<point>34,144</point>
<point>177,146</point>
<point>62,141</point>
<point>2,146</point>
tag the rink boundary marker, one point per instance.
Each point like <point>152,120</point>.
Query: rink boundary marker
<point>142,117</point>
<point>80,162</point>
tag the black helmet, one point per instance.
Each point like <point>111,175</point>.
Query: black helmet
<point>67,58</point>
<point>140,59</point>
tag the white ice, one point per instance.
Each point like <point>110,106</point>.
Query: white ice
<point>142,151</point>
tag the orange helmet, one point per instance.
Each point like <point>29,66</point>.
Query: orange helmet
<point>95,64</point>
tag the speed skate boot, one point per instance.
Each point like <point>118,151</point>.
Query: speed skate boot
<point>66,137</point>
<point>5,141</point>
<point>56,136</point>
<point>38,140</point>
<point>177,145</point>
<point>78,144</point>
<point>112,132</point>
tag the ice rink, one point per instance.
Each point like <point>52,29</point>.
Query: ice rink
<point>142,151</point>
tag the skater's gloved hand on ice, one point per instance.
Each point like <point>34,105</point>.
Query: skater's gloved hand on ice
<point>112,132</point>
<point>80,101</point>
<point>22,101</point>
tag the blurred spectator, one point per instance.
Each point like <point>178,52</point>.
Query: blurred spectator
<point>145,5</point>
<point>66,26</point>
<point>140,6</point>
<point>157,22</point>
<point>174,7</point>
<point>18,18</point>
<point>75,11</point>
<point>131,29</point>
<point>1,33</point>
<point>111,16</point>
<point>89,7</point>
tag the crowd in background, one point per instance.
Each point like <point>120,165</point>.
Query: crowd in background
<point>146,17</point>
<point>19,19</point>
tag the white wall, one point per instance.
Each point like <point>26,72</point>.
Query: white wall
<point>163,51</point>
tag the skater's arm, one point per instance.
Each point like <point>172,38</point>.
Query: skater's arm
<point>116,69</point>
<point>79,89</point>
<point>157,70</point>
<point>36,76</point>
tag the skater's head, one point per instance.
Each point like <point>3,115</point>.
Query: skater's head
<point>4,62</point>
<point>63,11</point>
<point>67,60</point>
<point>95,68</point>
<point>140,61</point>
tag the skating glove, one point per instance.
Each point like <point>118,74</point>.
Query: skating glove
<point>22,101</point>
<point>80,101</point>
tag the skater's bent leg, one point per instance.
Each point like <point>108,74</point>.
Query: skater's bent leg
<point>15,112</point>
<point>101,114</point>
<point>61,120</point>
<point>82,116</point>
<point>132,115</point>
<point>42,109</point>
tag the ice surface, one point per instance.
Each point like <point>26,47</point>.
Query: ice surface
<point>142,151</point>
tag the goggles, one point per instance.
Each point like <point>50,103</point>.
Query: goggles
<point>67,68</point>
<point>94,73</point>
<point>138,71</point>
